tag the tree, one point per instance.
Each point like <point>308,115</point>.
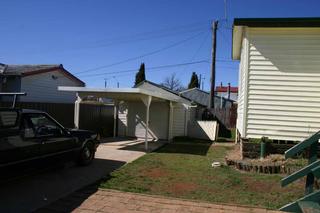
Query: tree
<point>194,82</point>
<point>140,76</point>
<point>173,83</point>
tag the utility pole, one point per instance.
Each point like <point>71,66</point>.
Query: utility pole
<point>200,79</point>
<point>213,64</point>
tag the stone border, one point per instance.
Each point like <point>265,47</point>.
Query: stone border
<point>274,168</point>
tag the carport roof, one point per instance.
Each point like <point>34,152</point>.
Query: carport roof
<point>125,94</point>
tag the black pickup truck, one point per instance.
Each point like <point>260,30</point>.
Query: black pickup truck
<point>31,135</point>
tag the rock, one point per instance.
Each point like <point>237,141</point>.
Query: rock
<point>216,164</point>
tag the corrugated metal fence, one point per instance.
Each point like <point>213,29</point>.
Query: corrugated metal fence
<point>96,117</point>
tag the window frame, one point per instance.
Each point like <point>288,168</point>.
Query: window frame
<point>29,116</point>
<point>16,121</point>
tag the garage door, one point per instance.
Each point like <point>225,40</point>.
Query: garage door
<point>158,124</point>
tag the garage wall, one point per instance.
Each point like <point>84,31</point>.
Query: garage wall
<point>132,117</point>
<point>122,119</point>
<point>180,114</point>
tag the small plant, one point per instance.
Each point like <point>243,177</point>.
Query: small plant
<point>254,140</point>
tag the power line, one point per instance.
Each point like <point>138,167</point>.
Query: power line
<point>149,68</point>
<point>199,48</point>
<point>166,32</point>
<point>143,55</point>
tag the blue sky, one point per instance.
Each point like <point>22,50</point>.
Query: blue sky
<point>84,35</point>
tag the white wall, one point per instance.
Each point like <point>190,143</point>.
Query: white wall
<point>43,88</point>
<point>158,120</point>
<point>283,83</point>
<point>180,120</point>
<point>242,87</point>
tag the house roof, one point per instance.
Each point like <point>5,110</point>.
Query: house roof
<point>128,94</point>
<point>278,22</point>
<point>240,23</point>
<point>161,87</point>
<point>157,85</point>
<point>225,89</point>
<point>34,69</point>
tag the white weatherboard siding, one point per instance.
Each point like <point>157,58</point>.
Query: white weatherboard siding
<point>180,116</point>
<point>122,119</point>
<point>243,78</point>
<point>283,95</point>
<point>43,88</point>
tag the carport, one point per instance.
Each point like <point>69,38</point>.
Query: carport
<point>125,94</point>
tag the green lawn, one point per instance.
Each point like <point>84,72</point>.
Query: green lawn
<point>183,169</point>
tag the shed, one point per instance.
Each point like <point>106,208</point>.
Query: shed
<point>279,77</point>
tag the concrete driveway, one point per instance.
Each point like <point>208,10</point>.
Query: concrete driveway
<point>29,193</point>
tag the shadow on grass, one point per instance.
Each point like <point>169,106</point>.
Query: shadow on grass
<point>140,146</point>
<point>185,145</point>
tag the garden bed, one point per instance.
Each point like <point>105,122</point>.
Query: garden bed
<point>272,164</point>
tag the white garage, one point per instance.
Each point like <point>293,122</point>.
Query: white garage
<point>158,120</point>
<point>147,111</point>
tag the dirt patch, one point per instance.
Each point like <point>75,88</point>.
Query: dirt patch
<point>235,153</point>
<point>156,173</point>
<point>260,186</point>
<point>183,188</point>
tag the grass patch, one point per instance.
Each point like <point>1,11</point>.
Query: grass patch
<point>230,138</point>
<point>183,169</point>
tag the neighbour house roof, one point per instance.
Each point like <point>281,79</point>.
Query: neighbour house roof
<point>28,70</point>
<point>199,96</point>
<point>240,23</point>
<point>225,89</point>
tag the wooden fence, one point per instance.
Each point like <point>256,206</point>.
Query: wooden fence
<point>95,117</point>
<point>227,116</point>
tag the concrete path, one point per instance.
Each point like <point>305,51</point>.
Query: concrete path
<point>110,201</point>
<point>29,193</point>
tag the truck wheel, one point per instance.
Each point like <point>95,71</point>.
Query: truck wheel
<point>86,155</point>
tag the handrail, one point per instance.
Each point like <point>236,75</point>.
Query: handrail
<point>312,170</point>
<point>302,145</point>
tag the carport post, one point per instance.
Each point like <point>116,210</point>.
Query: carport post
<point>77,111</point>
<point>170,121</point>
<point>147,102</point>
<point>115,117</point>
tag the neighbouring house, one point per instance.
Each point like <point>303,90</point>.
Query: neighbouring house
<point>148,111</point>
<point>279,77</point>
<point>201,98</point>
<point>40,82</point>
<point>225,110</point>
<point>227,92</point>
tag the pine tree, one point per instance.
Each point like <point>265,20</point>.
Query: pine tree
<point>140,76</point>
<point>194,82</point>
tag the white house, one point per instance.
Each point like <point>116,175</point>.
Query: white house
<point>40,82</point>
<point>279,77</point>
<point>147,111</point>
